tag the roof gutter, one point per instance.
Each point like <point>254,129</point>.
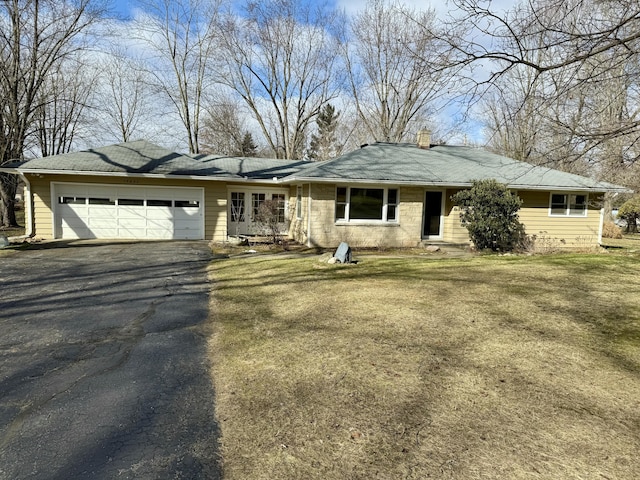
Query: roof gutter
<point>85,173</point>
<point>455,185</point>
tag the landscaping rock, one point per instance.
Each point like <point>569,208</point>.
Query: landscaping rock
<point>332,260</point>
<point>325,257</point>
<point>4,241</point>
<point>433,248</point>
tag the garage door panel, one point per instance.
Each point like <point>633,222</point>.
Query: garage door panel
<point>164,233</point>
<point>133,232</point>
<point>131,212</point>
<point>98,232</point>
<point>102,223</point>
<point>97,211</point>
<point>134,212</point>
<point>182,214</point>
<point>155,213</point>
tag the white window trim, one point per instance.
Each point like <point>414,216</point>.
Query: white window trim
<point>299,202</point>
<point>567,213</point>
<point>385,203</point>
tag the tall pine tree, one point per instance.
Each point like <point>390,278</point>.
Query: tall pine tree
<point>247,148</point>
<point>324,145</point>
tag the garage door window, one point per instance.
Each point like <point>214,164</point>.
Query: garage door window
<point>187,203</point>
<point>158,203</point>
<point>131,202</point>
<point>101,201</point>
<point>72,200</point>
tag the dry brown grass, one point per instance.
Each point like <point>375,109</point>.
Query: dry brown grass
<point>511,367</point>
<point>15,231</point>
<point>629,242</point>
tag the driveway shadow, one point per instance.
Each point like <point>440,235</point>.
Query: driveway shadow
<point>103,361</point>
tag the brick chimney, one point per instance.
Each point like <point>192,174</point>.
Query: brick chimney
<point>424,139</point>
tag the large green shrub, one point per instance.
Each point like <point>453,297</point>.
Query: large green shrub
<point>629,211</point>
<point>489,211</point>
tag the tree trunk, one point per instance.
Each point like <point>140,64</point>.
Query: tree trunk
<point>8,187</point>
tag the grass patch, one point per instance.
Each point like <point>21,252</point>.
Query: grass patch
<point>483,367</point>
<point>15,231</point>
<point>629,241</point>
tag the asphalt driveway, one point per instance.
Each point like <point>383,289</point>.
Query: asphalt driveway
<point>103,365</point>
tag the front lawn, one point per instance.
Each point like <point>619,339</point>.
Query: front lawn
<point>15,231</point>
<point>413,368</point>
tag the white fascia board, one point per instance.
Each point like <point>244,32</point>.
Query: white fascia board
<point>125,174</point>
<point>414,183</point>
<point>146,175</point>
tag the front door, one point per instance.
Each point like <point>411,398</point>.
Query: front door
<point>432,220</point>
<point>244,206</point>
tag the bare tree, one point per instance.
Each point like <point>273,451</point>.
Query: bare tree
<point>564,43</point>
<point>182,36</point>
<point>123,103</point>
<point>280,59</point>
<point>397,69</point>
<point>61,106</point>
<point>35,36</point>
<point>223,127</point>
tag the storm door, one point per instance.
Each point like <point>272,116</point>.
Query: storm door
<point>432,218</point>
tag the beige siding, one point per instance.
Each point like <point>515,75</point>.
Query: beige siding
<point>318,227</point>
<point>557,230</point>
<point>215,199</point>
<point>569,232</point>
<point>42,213</point>
<point>454,231</point>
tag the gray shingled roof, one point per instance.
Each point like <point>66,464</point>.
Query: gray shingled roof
<point>254,168</point>
<point>142,157</point>
<point>390,163</point>
<point>139,157</point>
<point>441,165</point>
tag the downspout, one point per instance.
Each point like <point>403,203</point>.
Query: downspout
<point>309,217</point>
<point>601,226</point>
<point>28,206</point>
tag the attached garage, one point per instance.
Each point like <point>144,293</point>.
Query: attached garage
<point>127,212</point>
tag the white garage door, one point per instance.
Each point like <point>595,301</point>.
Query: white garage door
<point>131,212</point>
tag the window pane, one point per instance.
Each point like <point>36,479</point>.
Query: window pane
<point>391,213</point>
<point>279,198</point>
<point>187,203</point>
<point>237,206</point>
<point>299,202</point>
<point>340,211</point>
<point>366,203</point>
<point>578,204</point>
<point>72,200</point>
<point>101,201</point>
<point>392,197</point>
<point>558,204</point>
<point>158,203</point>
<point>131,201</point>
<point>257,199</point>
<point>341,194</point>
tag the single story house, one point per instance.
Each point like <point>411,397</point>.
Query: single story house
<point>382,194</point>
